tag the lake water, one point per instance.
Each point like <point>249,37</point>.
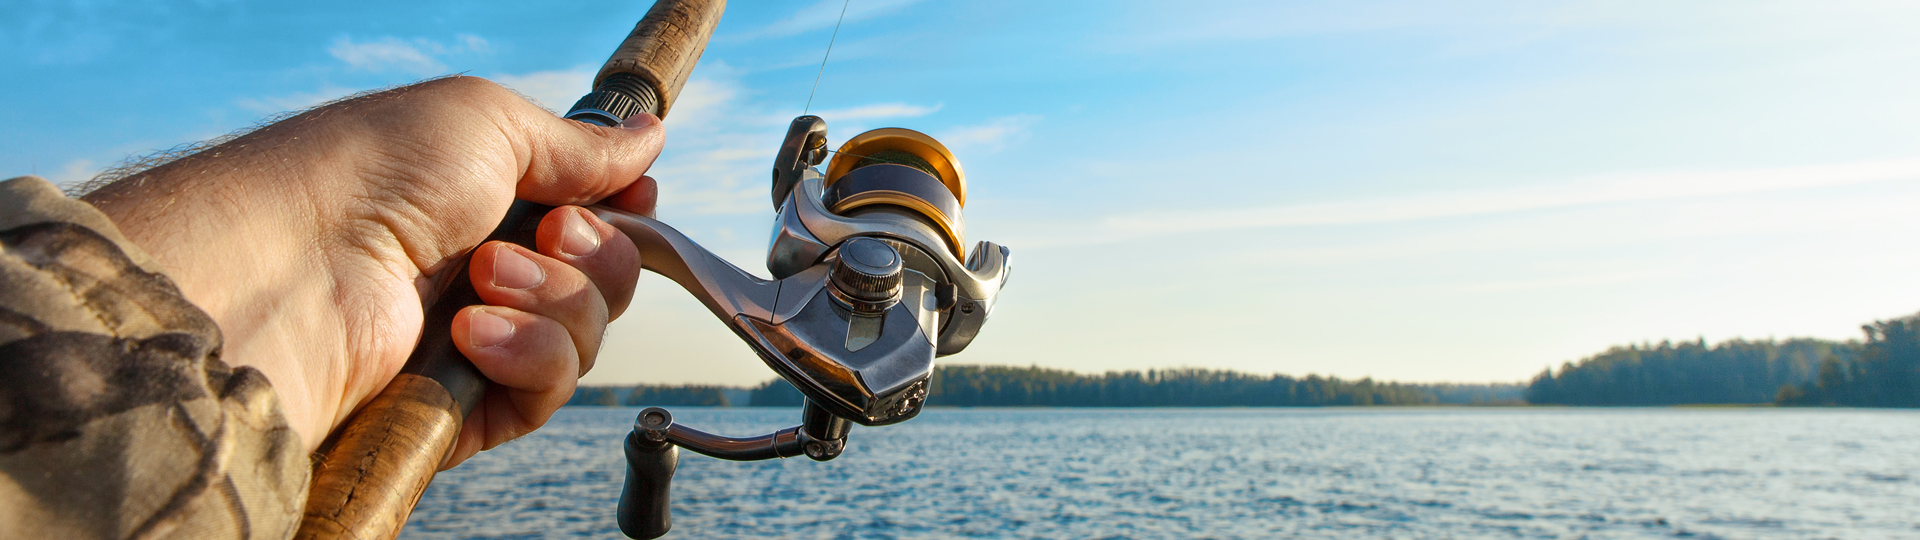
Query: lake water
<point>1229,473</point>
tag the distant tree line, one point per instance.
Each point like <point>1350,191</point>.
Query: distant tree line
<point>776,393</point>
<point>1734,371</point>
<point>1475,393</point>
<point>1882,371</point>
<point>1003,386</point>
<point>691,395</point>
<point>1885,372</point>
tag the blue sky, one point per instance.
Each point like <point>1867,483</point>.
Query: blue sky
<point>1425,191</point>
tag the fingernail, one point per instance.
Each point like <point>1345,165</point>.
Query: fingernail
<point>577,237</point>
<point>515,271</point>
<point>639,121</point>
<point>488,330</point>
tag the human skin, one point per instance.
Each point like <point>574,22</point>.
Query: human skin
<point>315,242</point>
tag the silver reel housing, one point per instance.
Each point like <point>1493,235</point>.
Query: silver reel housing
<point>859,304</point>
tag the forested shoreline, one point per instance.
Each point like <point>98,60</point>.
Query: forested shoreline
<point>1885,373</point>
<point>1007,386</point>
<point>1687,373</point>
<point>1883,370</point>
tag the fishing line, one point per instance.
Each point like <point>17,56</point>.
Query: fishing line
<point>824,57</point>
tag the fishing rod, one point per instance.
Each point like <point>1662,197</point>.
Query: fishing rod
<point>871,281</point>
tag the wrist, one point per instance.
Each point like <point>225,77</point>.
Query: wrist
<point>240,269</point>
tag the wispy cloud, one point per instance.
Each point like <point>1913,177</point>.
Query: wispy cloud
<point>719,142</point>
<point>703,102</point>
<point>990,135</point>
<point>293,102</point>
<point>722,142</point>
<point>556,90</point>
<point>1603,234</point>
<point>711,104</point>
<point>1602,190</point>
<point>1559,282</point>
<point>385,54</point>
<point>418,56</point>
<point>720,146</point>
<point>74,173</point>
<point>1702,190</point>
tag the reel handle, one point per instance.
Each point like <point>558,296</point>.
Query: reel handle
<point>644,499</point>
<point>653,453</point>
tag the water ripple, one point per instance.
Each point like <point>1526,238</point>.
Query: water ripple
<point>1229,473</point>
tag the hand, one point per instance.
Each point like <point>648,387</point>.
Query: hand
<point>314,243</point>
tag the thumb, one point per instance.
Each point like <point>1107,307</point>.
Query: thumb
<point>571,162</point>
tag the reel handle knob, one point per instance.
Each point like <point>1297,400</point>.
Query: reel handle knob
<point>644,510</point>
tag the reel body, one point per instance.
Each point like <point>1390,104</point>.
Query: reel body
<point>869,286</point>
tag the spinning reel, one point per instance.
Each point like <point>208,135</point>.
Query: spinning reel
<point>870,283</point>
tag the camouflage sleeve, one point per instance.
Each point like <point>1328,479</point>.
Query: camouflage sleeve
<point>117,417</point>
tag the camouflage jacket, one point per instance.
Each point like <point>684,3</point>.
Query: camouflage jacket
<point>117,417</point>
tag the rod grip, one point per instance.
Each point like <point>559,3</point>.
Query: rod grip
<point>374,470</point>
<point>664,46</point>
<point>366,483</point>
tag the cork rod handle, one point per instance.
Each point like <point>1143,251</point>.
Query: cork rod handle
<point>377,464</point>
<point>664,46</point>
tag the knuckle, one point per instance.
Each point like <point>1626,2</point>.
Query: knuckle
<point>466,87</point>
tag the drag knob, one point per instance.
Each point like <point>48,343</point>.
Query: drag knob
<point>866,276</point>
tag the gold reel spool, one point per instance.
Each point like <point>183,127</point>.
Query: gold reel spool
<point>909,148</point>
